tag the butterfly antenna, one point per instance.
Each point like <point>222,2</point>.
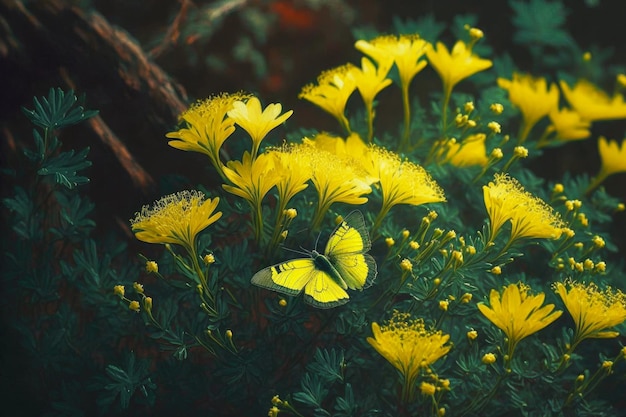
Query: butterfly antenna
<point>302,251</point>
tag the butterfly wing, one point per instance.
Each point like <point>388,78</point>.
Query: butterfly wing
<point>287,277</point>
<point>346,249</point>
<point>323,292</point>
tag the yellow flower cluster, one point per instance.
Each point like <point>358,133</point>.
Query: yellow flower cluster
<point>408,346</point>
<point>530,217</point>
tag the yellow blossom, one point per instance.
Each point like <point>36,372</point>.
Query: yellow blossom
<point>282,302</point>
<point>406,265</point>
<point>494,127</point>
<point>152,267</point>
<point>594,310</point>
<point>466,298</point>
<point>206,127</point>
<point>371,80</point>
<point>427,388</point>
<point>401,182</point>
<point>443,305</point>
<point>472,334</point>
<point>505,199</point>
<point>472,151</point>
<point>147,304</point>
<point>138,287</point>
<point>134,306</point>
<point>209,259</point>
<point>496,270</point>
<point>592,103</point>
<point>176,218</point>
<point>334,88</point>
<point>408,346</point>
<point>489,358</point>
<point>532,97</point>
<point>568,125</point>
<point>518,313</point>
<point>293,174</point>
<point>613,156</point>
<point>456,65</point>
<point>390,242</point>
<point>496,108</point>
<point>119,290</point>
<point>251,179</point>
<point>256,121</point>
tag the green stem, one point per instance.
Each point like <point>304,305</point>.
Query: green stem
<point>407,116</point>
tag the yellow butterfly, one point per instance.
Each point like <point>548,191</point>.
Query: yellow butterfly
<point>324,278</point>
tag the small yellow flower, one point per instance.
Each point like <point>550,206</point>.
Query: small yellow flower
<point>532,97</point>
<point>472,334</point>
<point>406,51</point>
<point>558,188</point>
<point>406,265</point>
<point>427,389</point>
<point>518,313</point>
<point>468,107</point>
<point>334,88</point>
<point>138,287</point>
<point>441,412</point>
<point>594,310</point>
<point>496,270</point>
<point>598,242</point>
<point>390,242</point>
<point>443,305</point>
<point>494,127</point>
<point>496,108</point>
<point>152,267</point>
<point>592,103</point>
<point>489,358</point>
<point>119,290</point>
<point>613,156</point>
<point>282,302</point>
<point>206,127</point>
<point>466,298</point>
<point>496,154</point>
<point>273,412</point>
<point>520,152</point>
<point>176,218</point>
<point>209,259</point>
<point>256,121</point>
<point>456,65</point>
<point>414,245</point>
<point>134,306</point>
<point>408,346</point>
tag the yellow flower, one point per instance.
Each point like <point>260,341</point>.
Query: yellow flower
<point>568,125</point>
<point>336,179</point>
<point>408,346</point>
<point>532,97</point>
<point>593,310</point>
<point>427,388</point>
<point>257,121</point>
<point>251,180</point>
<point>176,218</point>
<point>531,217</point>
<point>119,290</point>
<point>152,267</point>
<point>456,65</point>
<point>592,103</point>
<point>293,174</point>
<point>406,51</point>
<point>518,313</point>
<point>334,88</point>
<point>613,156</point>
<point>134,306</point>
<point>371,80</point>
<point>489,358</point>
<point>472,151</point>
<point>206,127</point>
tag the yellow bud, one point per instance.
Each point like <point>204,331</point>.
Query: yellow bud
<point>579,245</point>
<point>607,364</point>
<point>138,287</point>
<point>466,298</point>
<point>283,234</point>
<point>208,259</point>
<point>468,107</point>
<point>471,250</point>
<point>520,152</point>
<point>276,400</point>
<point>494,127</point>
<point>338,219</point>
<point>580,378</point>
<point>623,351</point>
<point>443,305</point>
<point>476,34</point>
<point>588,264</point>
<point>445,383</point>
<point>229,334</point>
<point>582,218</point>
<point>405,234</point>
<point>471,123</point>
<point>273,412</point>
<point>587,56</point>
<point>134,305</point>
<point>620,207</point>
<point>282,302</point>
<point>460,120</point>
<point>601,266</point>
<point>152,267</point>
<point>119,290</point>
<point>147,303</point>
<point>472,335</point>
<point>566,357</point>
<point>621,80</point>
<point>558,188</point>
<point>427,388</point>
<point>441,412</point>
<point>496,153</point>
<point>598,242</point>
<point>578,266</point>
<point>496,108</point>
<point>496,270</point>
<point>569,233</point>
<point>390,242</point>
<point>291,213</point>
<point>414,245</point>
<point>457,256</point>
<point>437,281</point>
<point>406,265</point>
<point>489,358</point>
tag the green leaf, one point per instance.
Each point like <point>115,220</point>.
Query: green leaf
<point>346,406</point>
<point>328,365</point>
<point>540,22</point>
<point>313,392</point>
<point>65,166</point>
<point>125,381</point>
<point>57,110</point>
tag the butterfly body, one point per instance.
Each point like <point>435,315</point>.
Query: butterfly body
<point>325,277</point>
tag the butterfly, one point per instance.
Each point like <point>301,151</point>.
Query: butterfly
<point>325,277</point>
